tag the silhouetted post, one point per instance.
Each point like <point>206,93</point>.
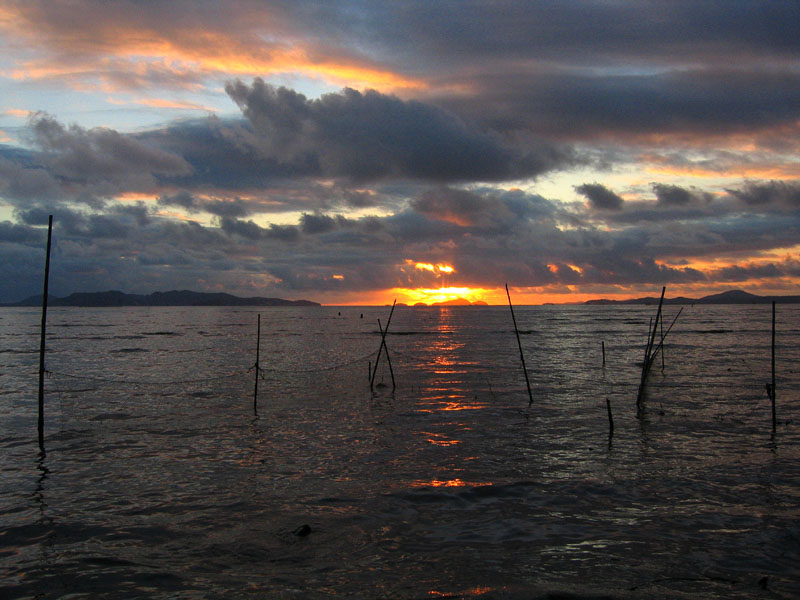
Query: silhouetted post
<point>662,344</point>
<point>258,368</point>
<point>603,346</point>
<point>42,338</point>
<point>519,343</point>
<point>610,418</point>
<point>772,390</point>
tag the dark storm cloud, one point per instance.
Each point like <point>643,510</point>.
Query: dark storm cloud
<point>183,199</point>
<point>485,208</point>
<point>778,194</point>
<point>228,208</point>
<point>717,100</point>
<point>373,136</point>
<point>474,32</point>
<point>100,154</point>
<point>317,223</point>
<point>673,195</point>
<point>252,231</point>
<point>20,234</point>
<point>600,197</point>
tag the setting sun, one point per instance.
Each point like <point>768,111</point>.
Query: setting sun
<point>439,295</point>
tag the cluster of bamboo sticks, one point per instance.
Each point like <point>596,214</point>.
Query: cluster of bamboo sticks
<point>652,349</point>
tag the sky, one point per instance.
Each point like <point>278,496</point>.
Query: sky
<point>357,152</point>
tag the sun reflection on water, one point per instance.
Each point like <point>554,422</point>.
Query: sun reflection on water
<point>456,483</point>
<point>471,592</point>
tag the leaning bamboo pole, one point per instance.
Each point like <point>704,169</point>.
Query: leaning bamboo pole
<point>649,353</point>
<point>519,343</point>
<point>42,337</point>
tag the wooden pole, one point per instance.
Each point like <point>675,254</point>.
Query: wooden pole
<point>42,338</point>
<point>519,343</point>
<point>603,345</point>
<point>610,418</point>
<point>772,389</point>
<point>258,368</point>
<point>662,343</point>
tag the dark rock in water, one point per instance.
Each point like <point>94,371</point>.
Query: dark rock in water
<point>302,531</point>
<point>763,583</point>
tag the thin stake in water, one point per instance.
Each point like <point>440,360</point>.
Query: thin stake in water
<point>386,350</point>
<point>257,367</point>
<point>649,353</point>
<point>519,343</point>
<point>42,338</point>
<point>772,388</point>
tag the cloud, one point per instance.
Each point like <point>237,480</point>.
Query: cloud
<point>373,136</point>
<point>101,154</point>
<point>317,223</point>
<point>600,197</point>
<point>674,195</point>
<point>779,194</point>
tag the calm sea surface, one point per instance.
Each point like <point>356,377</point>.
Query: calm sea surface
<point>159,481</point>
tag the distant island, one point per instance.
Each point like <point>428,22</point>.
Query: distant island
<point>172,298</point>
<point>730,297</point>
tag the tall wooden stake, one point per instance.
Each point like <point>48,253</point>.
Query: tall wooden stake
<point>258,368</point>
<point>519,343</point>
<point>42,339</point>
<point>772,389</point>
<point>603,346</point>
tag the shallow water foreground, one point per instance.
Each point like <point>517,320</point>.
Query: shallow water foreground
<point>160,481</point>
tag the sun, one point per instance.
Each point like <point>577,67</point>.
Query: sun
<point>442,294</point>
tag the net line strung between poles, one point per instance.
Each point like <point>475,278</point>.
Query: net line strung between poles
<point>262,370</point>
<point>207,379</point>
<point>152,382</point>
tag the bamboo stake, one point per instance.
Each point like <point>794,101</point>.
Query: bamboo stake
<point>258,368</point>
<point>519,343</point>
<point>772,389</point>
<point>42,338</point>
<point>386,350</point>
<point>383,344</point>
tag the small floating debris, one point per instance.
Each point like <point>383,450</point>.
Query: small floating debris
<point>302,531</point>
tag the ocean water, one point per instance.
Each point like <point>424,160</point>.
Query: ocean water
<point>161,479</point>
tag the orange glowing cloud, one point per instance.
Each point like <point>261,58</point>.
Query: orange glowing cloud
<point>438,268</point>
<point>258,45</point>
<point>161,103</point>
